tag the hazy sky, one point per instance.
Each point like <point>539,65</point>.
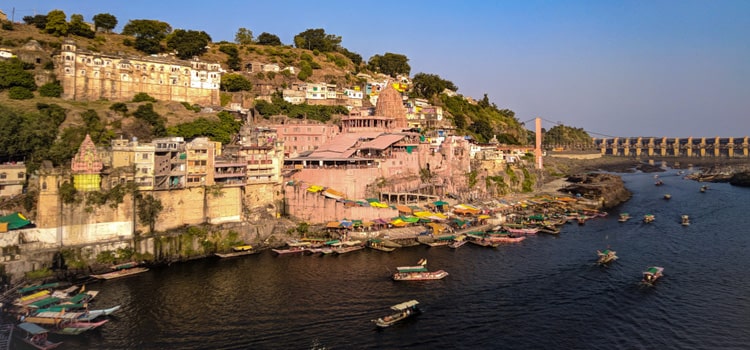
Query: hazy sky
<point>674,68</point>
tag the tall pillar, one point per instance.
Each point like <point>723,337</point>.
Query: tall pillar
<point>703,147</point>
<point>616,146</point>
<point>538,148</point>
<point>650,146</point>
<point>689,147</point>
<point>730,149</point>
<point>663,146</point>
<point>626,146</point>
<point>604,146</point>
<point>638,147</point>
<point>717,147</point>
<point>745,147</point>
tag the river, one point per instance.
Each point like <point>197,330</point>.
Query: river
<point>544,293</point>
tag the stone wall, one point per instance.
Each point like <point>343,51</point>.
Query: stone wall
<point>315,208</point>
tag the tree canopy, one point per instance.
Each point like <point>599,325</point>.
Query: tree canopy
<point>222,130</point>
<point>244,36</point>
<point>483,122</point>
<point>105,21</point>
<point>561,134</point>
<point>188,43</point>
<point>57,23</point>
<point>428,85</point>
<point>148,34</point>
<point>235,82</point>
<point>390,63</point>
<point>317,39</point>
<point>78,27</point>
<point>38,21</point>
<point>12,74</point>
<point>268,39</point>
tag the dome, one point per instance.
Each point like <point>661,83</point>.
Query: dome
<point>390,104</point>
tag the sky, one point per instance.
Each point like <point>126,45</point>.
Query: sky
<point>677,68</point>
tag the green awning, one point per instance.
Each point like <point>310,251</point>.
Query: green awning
<point>440,203</point>
<point>15,221</point>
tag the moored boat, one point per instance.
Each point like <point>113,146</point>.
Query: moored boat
<point>704,188</point>
<point>667,196</point>
<point>606,256</point>
<point>649,218</point>
<point>652,274</point>
<point>458,242</point>
<point>624,217</point>
<point>377,244</point>
<point>239,251</point>
<point>35,336</point>
<point>403,311</point>
<point>122,270</point>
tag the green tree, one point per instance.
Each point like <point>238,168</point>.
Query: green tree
<point>57,23</point>
<point>235,82</point>
<point>148,34</point>
<point>20,93</point>
<point>233,61</point>
<point>390,63</point>
<point>12,74</point>
<point>188,43</point>
<point>268,39</point>
<point>149,209</point>
<point>428,85</point>
<point>52,89</point>
<point>105,21</point>
<point>38,21</point>
<point>78,27</point>
<point>143,97</point>
<point>317,39</point>
<point>244,36</point>
<point>353,56</point>
<point>119,107</point>
<point>156,122</point>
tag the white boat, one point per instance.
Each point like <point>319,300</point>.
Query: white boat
<point>403,311</point>
<point>606,256</point>
<point>652,274</point>
<point>685,220</point>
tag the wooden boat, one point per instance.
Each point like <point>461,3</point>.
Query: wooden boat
<point>417,273</point>
<point>239,251</point>
<point>40,287</point>
<point>378,245</point>
<point>290,250</point>
<point>667,196</point>
<point>35,336</point>
<point>78,315</point>
<point>685,220</point>
<point>458,242</point>
<point>482,241</point>
<point>606,256</point>
<point>649,218</point>
<point>652,274</point>
<point>343,249</point>
<point>624,217</point>
<point>704,188</point>
<point>122,270</point>
<point>75,328</point>
<point>403,311</point>
<point>658,183</point>
<point>522,231</point>
<point>582,219</point>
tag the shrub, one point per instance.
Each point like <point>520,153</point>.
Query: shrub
<point>143,97</point>
<point>49,65</point>
<point>20,93</point>
<point>7,25</point>
<point>51,90</point>
<point>119,107</point>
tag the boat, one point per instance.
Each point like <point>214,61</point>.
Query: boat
<point>39,287</point>
<point>418,273</point>
<point>293,248</point>
<point>649,218</point>
<point>685,220</point>
<point>704,188</point>
<point>35,336</point>
<point>667,196</point>
<point>652,274</point>
<point>239,251</point>
<point>403,311</point>
<point>122,270</point>
<point>658,183</point>
<point>482,241</point>
<point>522,231</point>
<point>624,217</point>
<point>606,256</point>
<point>75,328</point>
<point>458,242</point>
<point>344,247</point>
<point>377,244</point>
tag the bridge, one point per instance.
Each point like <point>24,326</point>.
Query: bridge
<point>717,147</point>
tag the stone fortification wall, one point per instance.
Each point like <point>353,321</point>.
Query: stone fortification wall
<point>315,208</point>
<point>191,206</point>
<point>350,181</point>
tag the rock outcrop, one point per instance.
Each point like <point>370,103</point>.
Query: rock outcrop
<point>741,179</point>
<point>608,189</point>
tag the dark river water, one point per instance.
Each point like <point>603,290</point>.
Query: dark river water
<point>545,293</point>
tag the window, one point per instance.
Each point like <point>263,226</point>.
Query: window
<point>3,175</point>
<point>21,175</point>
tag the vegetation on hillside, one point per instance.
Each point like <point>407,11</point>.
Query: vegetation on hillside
<point>562,135</point>
<point>314,112</point>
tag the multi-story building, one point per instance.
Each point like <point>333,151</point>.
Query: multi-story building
<point>200,161</point>
<point>263,153</point>
<point>229,171</point>
<point>169,163</point>
<point>303,135</point>
<point>87,75</point>
<point>12,177</point>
